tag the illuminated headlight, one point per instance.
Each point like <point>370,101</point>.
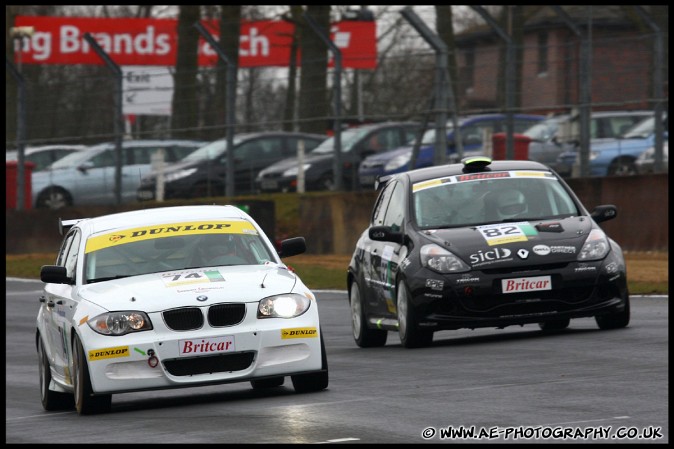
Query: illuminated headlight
<point>398,161</point>
<point>120,323</point>
<point>293,171</point>
<point>173,176</point>
<point>596,246</point>
<point>289,305</point>
<point>594,155</point>
<point>439,259</point>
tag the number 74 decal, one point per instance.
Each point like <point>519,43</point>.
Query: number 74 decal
<point>498,234</point>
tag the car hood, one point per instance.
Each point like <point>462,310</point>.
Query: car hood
<point>528,242</point>
<point>285,164</point>
<point>172,168</point>
<point>160,291</point>
<point>388,155</point>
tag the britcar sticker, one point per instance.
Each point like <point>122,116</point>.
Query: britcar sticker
<point>501,233</point>
<point>531,284</point>
<point>299,332</point>
<point>109,353</point>
<point>174,279</point>
<point>168,230</point>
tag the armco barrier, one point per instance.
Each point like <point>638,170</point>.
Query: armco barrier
<point>331,223</point>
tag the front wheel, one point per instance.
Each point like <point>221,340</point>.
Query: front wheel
<point>307,383</point>
<point>54,198</point>
<point>363,335</point>
<point>615,320</point>
<point>85,401</point>
<point>51,400</point>
<point>411,335</point>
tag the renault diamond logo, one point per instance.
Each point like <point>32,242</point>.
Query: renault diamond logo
<point>523,253</point>
<point>202,298</point>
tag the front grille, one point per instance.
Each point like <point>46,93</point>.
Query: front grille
<point>226,314</point>
<point>210,364</point>
<point>184,319</point>
<point>528,270</point>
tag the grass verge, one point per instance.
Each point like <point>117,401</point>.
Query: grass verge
<point>647,272</point>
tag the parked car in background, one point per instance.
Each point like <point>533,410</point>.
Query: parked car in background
<point>204,172</point>
<point>357,143</point>
<point>615,156</point>
<point>646,161</point>
<point>44,155</point>
<point>482,244</point>
<point>88,177</point>
<point>173,297</point>
<point>473,129</point>
<point>560,133</point>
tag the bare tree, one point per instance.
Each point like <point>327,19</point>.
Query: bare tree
<point>313,101</point>
<point>184,118</point>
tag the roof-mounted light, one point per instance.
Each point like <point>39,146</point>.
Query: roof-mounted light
<point>475,163</point>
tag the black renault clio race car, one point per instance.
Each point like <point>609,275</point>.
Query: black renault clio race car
<point>482,244</point>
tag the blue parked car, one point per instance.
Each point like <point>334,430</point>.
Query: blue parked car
<point>472,127</point>
<point>616,156</point>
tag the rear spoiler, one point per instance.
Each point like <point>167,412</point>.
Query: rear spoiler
<point>64,225</point>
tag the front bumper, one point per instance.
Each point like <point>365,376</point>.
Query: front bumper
<point>152,360</point>
<point>476,299</point>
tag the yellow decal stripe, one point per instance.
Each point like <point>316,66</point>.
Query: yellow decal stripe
<point>299,332</point>
<point>423,185</point>
<point>109,353</point>
<point>168,230</point>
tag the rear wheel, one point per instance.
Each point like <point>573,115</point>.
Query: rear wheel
<point>267,383</point>
<point>615,320</point>
<point>85,401</point>
<point>307,383</point>
<point>54,198</point>
<point>554,325</point>
<point>622,167</point>
<point>411,335</point>
<point>363,335</point>
<point>51,400</point>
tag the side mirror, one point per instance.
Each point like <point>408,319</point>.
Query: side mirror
<point>604,212</point>
<point>85,166</point>
<point>54,274</point>
<point>292,247</point>
<point>385,234</point>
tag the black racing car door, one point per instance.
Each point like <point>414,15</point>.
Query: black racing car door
<point>385,256</point>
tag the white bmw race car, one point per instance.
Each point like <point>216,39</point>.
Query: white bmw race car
<point>173,297</point>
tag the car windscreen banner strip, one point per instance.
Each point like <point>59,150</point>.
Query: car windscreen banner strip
<point>168,230</point>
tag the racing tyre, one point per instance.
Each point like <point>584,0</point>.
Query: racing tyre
<point>554,325</point>
<point>615,320</point>
<point>85,401</point>
<point>363,335</point>
<point>267,383</point>
<point>307,383</point>
<point>51,400</point>
<point>411,335</point>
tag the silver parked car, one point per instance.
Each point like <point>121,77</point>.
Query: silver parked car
<point>44,155</point>
<point>88,177</point>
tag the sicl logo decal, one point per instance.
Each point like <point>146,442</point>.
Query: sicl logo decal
<point>299,332</point>
<point>109,353</point>
<point>498,234</point>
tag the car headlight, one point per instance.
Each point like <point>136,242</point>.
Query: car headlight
<point>288,305</point>
<point>398,161</point>
<point>293,171</point>
<point>647,155</point>
<point>596,246</point>
<point>594,155</point>
<point>441,260</point>
<point>173,176</point>
<point>120,323</point>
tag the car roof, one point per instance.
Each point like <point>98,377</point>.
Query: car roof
<point>145,217</point>
<point>13,154</point>
<point>422,174</point>
<point>150,142</point>
<point>245,136</point>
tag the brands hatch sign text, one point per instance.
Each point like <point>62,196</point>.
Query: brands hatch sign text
<point>153,42</point>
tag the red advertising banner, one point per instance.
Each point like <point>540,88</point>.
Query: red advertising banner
<point>130,41</point>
